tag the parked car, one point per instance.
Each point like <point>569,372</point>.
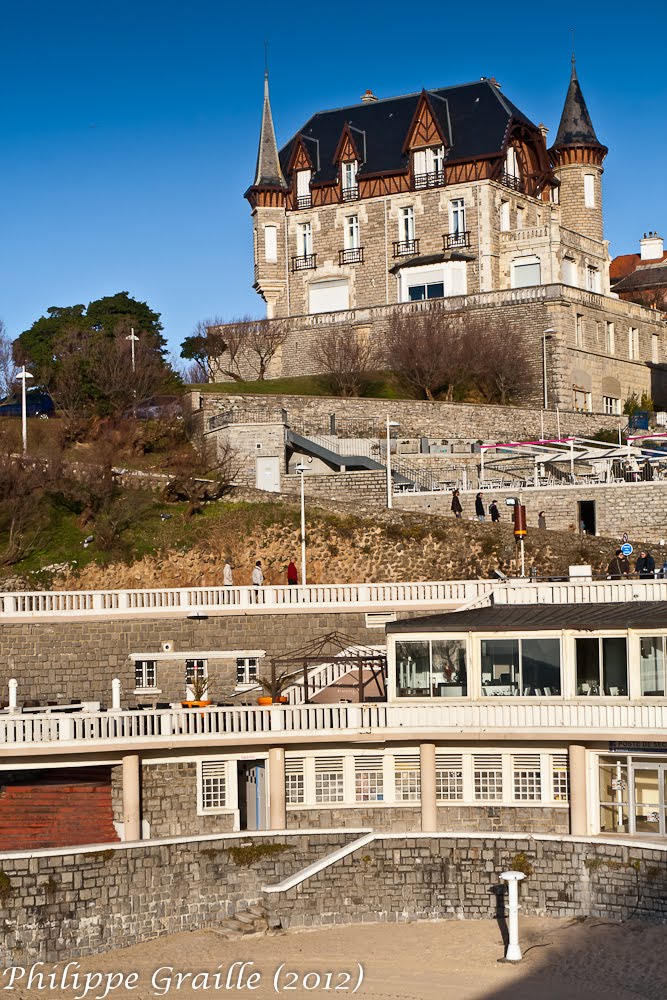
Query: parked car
<point>38,403</point>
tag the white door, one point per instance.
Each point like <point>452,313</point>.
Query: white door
<point>329,296</point>
<point>267,474</point>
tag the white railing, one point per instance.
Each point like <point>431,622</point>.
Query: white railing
<point>608,718</point>
<point>595,592</point>
<point>200,600</point>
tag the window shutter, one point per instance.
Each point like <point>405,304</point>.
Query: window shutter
<point>270,244</point>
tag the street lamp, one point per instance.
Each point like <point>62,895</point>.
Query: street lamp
<point>390,492</point>
<point>132,337</point>
<point>301,469</point>
<point>21,377</point>
<point>546,333</point>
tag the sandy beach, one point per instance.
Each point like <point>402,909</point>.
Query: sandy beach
<point>444,960</point>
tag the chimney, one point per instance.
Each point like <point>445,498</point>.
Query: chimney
<point>544,130</point>
<point>651,247</point>
<point>368,98</point>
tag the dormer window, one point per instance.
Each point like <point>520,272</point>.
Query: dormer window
<point>428,167</point>
<point>512,173</point>
<point>303,198</point>
<point>348,176</point>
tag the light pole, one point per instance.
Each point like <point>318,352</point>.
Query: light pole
<point>390,492</point>
<point>22,376</point>
<point>301,469</point>
<point>133,340</point>
<point>546,333</point>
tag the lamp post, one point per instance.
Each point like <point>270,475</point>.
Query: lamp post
<point>390,493</point>
<point>22,376</point>
<point>302,469</point>
<point>546,333</point>
<point>132,337</point>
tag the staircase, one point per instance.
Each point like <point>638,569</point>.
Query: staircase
<point>57,809</point>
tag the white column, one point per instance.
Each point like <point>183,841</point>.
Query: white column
<point>13,685</point>
<point>115,695</point>
<point>428,792</point>
<point>131,797</point>
<point>578,803</point>
<point>277,810</point>
<point>513,953</point>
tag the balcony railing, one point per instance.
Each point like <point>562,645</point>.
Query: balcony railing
<point>307,262</point>
<point>452,241</point>
<point>405,248</point>
<point>436,178</point>
<point>304,201</point>
<point>512,181</point>
<point>351,193</point>
<point>353,255</point>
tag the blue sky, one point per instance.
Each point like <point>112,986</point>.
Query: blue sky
<point>128,131</point>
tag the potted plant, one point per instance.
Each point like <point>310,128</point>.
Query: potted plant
<point>274,685</point>
<point>199,688</point>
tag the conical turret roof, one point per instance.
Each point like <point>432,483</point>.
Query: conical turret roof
<point>576,127</point>
<point>268,172</point>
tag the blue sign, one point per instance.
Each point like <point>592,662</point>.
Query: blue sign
<point>627,549</point>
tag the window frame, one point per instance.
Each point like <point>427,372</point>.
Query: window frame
<point>143,668</point>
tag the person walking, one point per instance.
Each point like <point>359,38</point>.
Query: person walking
<point>257,578</point>
<point>227,574</point>
<point>457,509</point>
<point>292,575</point>
<point>645,565</point>
<point>494,512</point>
<point>618,567</point>
<point>479,508</point>
<point>542,520</point>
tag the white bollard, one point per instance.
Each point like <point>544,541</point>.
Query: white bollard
<point>115,695</point>
<point>13,694</point>
<point>513,953</point>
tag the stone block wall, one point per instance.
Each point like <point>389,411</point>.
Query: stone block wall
<point>472,819</point>
<point>59,906</point>
<point>366,487</point>
<point>635,508</point>
<point>169,802</point>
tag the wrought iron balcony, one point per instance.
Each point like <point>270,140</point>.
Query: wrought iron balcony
<point>306,262</point>
<point>304,201</point>
<point>511,181</point>
<point>351,193</point>
<point>353,255</point>
<point>452,241</point>
<point>406,248</point>
<point>436,178</point>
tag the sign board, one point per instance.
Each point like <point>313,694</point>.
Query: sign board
<point>627,549</point>
<point>624,747</point>
<point>511,501</point>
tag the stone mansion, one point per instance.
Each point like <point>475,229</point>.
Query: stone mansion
<point>451,199</point>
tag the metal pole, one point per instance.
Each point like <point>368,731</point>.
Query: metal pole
<point>24,413</point>
<point>513,953</point>
<point>389,487</point>
<point>544,370</point>
<point>541,425</point>
<point>572,459</point>
<point>523,560</point>
<point>303,534</point>
<point>558,423</point>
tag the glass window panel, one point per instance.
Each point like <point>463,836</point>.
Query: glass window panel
<point>652,665</point>
<point>489,784</point>
<point>613,797</point>
<point>615,664</point>
<point>435,290</point>
<point>588,665</point>
<point>448,676</point>
<point>540,666</point>
<point>417,293</point>
<point>500,666</point>
<point>448,785</point>
<point>647,800</point>
<point>413,668</point>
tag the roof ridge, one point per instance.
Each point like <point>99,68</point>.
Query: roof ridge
<point>399,97</point>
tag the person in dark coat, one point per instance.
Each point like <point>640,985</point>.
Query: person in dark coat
<point>479,508</point>
<point>292,575</point>
<point>542,520</point>
<point>645,565</point>
<point>457,509</point>
<point>618,567</point>
<point>494,512</point>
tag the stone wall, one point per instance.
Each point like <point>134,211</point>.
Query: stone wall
<point>365,487</point>
<point>59,661</point>
<point>169,802</point>
<point>59,906</point>
<point>476,819</point>
<point>635,508</point>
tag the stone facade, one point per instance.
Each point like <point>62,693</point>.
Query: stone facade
<point>60,906</point>
<point>471,819</point>
<point>635,508</point>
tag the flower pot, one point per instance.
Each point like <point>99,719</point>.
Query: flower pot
<point>195,704</point>
<point>265,700</point>
<point>282,700</point>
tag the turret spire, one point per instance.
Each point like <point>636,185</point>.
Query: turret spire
<point>268,172</point>
<point>576,127</point>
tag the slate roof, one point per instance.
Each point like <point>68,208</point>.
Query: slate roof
<point>576,127</point>
<point>534,617</point>
<point>647,276</point>
<point>268,172</point>
<point>472,116</point>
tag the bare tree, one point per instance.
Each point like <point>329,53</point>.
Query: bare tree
<point>427,350</point>
<point>8,367</point>
<point>23,484</point>
<point>197,480</point>
<point>349,358</point>
<point>262,340</point>
<point>500,361</point>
